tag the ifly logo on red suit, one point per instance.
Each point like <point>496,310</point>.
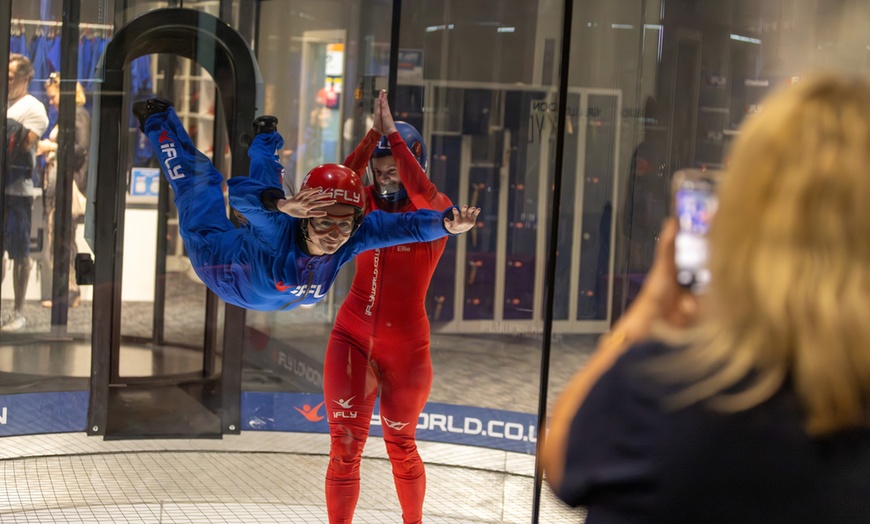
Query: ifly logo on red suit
<point>345,404</point>
<point>167,147</point>
<point>374,294</point>
<point>392,424</point>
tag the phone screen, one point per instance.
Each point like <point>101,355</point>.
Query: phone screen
<point>695,207</point>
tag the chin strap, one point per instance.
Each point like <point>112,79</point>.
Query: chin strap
<point>394,197</point>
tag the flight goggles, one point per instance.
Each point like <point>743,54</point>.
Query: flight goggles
<point>323,225</point>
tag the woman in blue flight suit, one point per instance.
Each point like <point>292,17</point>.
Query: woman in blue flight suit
<point>290,250</point>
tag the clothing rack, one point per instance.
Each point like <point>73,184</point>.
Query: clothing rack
<point>57,23</point>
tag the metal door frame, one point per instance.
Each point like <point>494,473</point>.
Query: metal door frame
<point>218,48</point>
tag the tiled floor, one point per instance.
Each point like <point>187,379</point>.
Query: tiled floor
<point>267,476</point>
<point>254,477</point>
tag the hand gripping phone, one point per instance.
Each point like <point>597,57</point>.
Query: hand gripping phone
<point>695,204</point>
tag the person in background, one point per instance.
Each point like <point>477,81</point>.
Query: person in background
<point>30,113</point>
<point>48,148</point>
<point>750,403</point>
<point>289,250</point>
<point>380,341</point>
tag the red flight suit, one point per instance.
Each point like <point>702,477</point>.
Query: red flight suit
<point>381,341</point>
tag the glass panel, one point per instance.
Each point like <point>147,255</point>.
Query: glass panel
<point>483,103</point>
<point>526,140</point>
<point>35,345</point>
<point>599,179</point>
<point>320,63</point>
<point>446,152</point>
<point>177,319</point>
<point>572,197</point>
<point>668,85</point>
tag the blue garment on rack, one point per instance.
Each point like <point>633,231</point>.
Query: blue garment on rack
<point>18,44</point>
<point>42,67</point>
<point>34,45</point>
<point>141,87</point>
<point>140,77</point>
<point>53,52</point>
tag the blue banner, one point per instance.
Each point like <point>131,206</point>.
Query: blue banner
<point>66,411</point>
<point>466,425</point>
<point>52,412</point>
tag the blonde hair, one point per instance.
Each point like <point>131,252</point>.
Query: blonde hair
<point>81,98</point>
<point>790,260</point>
<point>53,82</point>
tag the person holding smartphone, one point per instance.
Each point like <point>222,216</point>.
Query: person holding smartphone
<point>751,403</point>
<point>694,206</point>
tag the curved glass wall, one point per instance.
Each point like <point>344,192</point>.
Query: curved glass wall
<point>652,87</point>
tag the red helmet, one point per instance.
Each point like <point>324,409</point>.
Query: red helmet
<point>339,181</point>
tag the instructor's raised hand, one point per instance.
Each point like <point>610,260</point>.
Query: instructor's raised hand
<point>464,218</point>
<point>383,119</point>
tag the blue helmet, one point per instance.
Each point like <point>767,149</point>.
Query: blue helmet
<point>412,138</point>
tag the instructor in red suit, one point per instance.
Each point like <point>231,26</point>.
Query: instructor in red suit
<point>380,341</point>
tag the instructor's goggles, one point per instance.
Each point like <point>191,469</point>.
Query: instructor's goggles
<point>323,225</point>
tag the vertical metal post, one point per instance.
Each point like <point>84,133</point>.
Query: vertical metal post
<point>234,317</point>
<point>219,144</point>
<point>66,143</point>
<point>249,22</point>
<point>121,10</point>
<point>107,292</point>
<point>212,302</point>
<point>225,11</point>
<point>158,331</point>
<point>564,69</point>
<point>394,52</point>
<point>5,30</point>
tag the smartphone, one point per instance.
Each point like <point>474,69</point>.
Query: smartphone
<point>694,207</point>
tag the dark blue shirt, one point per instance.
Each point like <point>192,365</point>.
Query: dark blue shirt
<point>632,460</point>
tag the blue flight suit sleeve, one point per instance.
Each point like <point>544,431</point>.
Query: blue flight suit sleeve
<point>381,229</point>
<point>270,227</point>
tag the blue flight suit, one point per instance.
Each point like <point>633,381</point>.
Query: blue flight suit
<point>262,265</point>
